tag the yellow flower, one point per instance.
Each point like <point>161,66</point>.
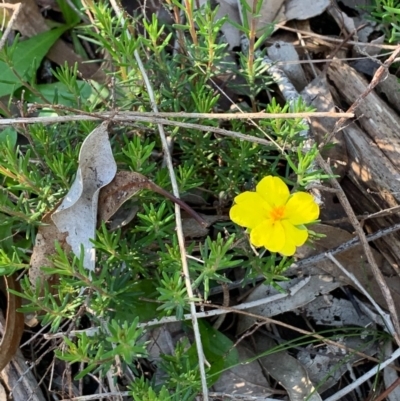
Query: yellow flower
<point>274,217</point>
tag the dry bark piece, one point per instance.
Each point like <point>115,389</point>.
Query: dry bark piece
<point>373,114</point>
<point>317,94</point>
<point>374,165</point>
<point>390,90</point>
<point>18,378</point>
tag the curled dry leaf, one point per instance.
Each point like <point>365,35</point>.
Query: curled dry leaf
<point>77,214</point>
<point>125,185</point>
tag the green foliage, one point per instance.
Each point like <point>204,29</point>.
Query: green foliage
<point>387,13</point>
<point>19,62</point>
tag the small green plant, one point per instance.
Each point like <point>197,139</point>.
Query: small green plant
<point>387,13</point>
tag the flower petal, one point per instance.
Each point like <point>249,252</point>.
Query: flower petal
<point>301,209</point>
<point>249,210</point>
<point>268,234</point>
<point>288,249</point>
<point>273,190</point>
<point>296,235</point>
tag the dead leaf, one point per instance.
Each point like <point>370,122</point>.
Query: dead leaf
<point>44,249</point>
<point>272,11</point>
<point>247,378</point>
<point>287,370</point>
<point>230,10</point>
<point>280,11</point>
<point>282,51</point>
<point>127,184</point>
<point>192,229</point>
<point>305,9</point>
<point>324,363</point>
<point>77,214</point>
<point>300,292</point>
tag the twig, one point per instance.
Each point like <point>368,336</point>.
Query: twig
<point>241,397</point>
<point>226,309</point>
<point>128,120</point>
<point>99,396</point>
<point>313,260</point>
<point>211,116</point>
<point>368,253</point>
<point>214,312</point>
<point>179,229</point>
<point>341,393</point>
<point>377,78</point>
<point>385,317</point>
<point>16,9</point>
<point>331,39</point>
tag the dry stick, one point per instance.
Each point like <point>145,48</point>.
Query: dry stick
<point>128,120</point>
<point>239,309</point>
<point>16,8</point>
<point>346,246</point>
<point>385,317</point>
<point>377,78</point>
<point>211,116</point>
<point>341,393</point>
<point>179,229</point>
<point>313,260</point>
<point>329,39</point>
<point>368,253</point>
<point>385,393</point>
<point>339,46</point>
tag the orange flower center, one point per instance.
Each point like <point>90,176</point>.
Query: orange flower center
<point>277,213</point>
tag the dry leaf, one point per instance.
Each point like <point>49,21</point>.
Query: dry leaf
<point>324,363</point>
<point>44,249</point>
<point>305,9</point>
<point>300,291</point>
<point>287,370</point>
<point>125,185</point>
<point>77,214</point>
<point>247,378</point>
<point>282,51</point>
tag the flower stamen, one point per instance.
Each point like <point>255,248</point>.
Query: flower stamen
<point>277,213</point>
